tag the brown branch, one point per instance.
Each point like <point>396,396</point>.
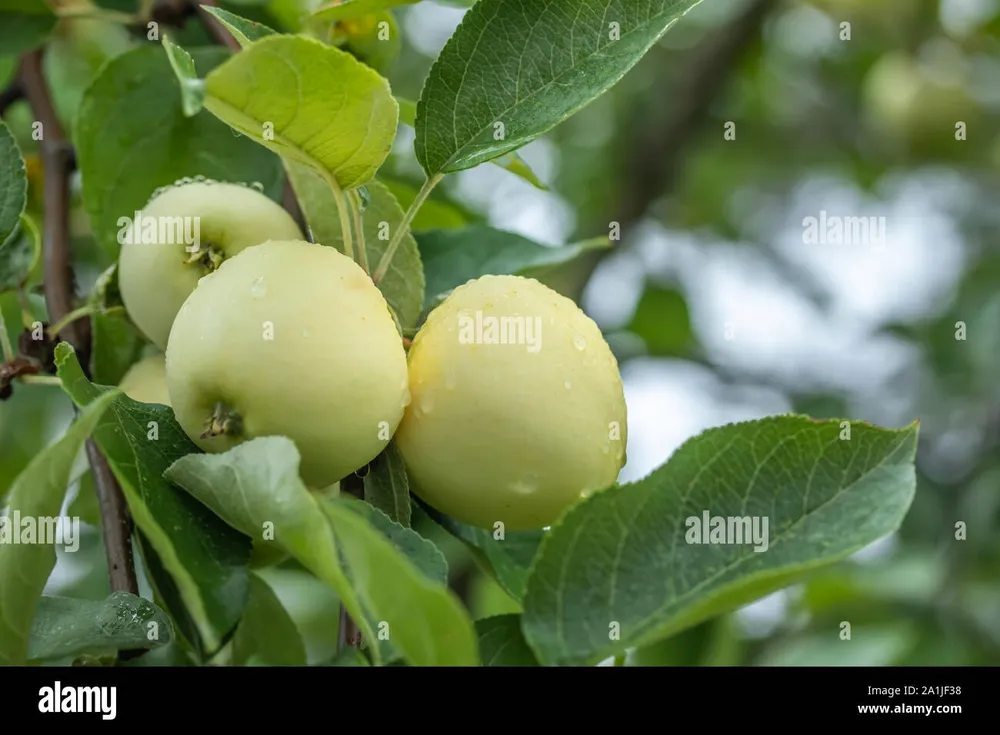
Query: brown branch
<point>10,94</point>
<point>57,161</point>
<point>348,633</point>
<point>218,31</point>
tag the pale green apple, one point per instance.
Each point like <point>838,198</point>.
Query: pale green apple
<point>146,381</point>
<point>289,339</point>
<point>518,409</point>
<point>182,234</point>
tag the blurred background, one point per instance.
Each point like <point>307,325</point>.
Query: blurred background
<point>723,165</point>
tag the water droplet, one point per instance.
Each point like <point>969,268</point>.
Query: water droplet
<point>258,288</point>
<point>580,343</point>
<point>426,403</point>
<point>305,333</point>
<point>586,493</point>
<point>257,186</point>
<point>606,449</point>
<point>568,385</point>
<point>525,486</point>
<point>199,179</point>
<point>407,398</point>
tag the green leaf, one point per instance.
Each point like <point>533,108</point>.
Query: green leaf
<point>387,486</point>
<point>267,631</point>
<point>65,627</point>
<point>200,563</point>
<point>374,39</point>
<point>626,560</point>
<point>244,31</point>
<point>407,111</point>
<point>117,344</point>
<point>24,25</point>
<point>349,657</point>
<point>501,642</point>
<point>85,505</point>
<point>284,91</point>
<point>513,71</point>
<point>256,487</point>
<point>133,137</point>
<point>662,320</point>
<point>35,501</point>
<point>423,553</point>
<point>403,285</point>
<point>453,256</point>
<point>192,88</point>
<point>510,161</point>
<point>509,558</point>
<point>425,621</point>
<point>347,9</point>
<point>13,185</point>
<point>19,255</point>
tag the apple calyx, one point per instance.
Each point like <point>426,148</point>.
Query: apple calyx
<point>224,421</point>
<point>209,258</point>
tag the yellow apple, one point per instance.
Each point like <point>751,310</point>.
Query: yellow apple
<point>146,381</point>
<point>289,339</point>
<point>518,409</point>
<point>181,235</point>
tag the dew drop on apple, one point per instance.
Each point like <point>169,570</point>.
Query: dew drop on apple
<point>426,403</point>
<point>407,398</point>
<point>580,343</point>
<point>257,186</point>
<point>525,486</point>
<point>258,288</point>
<point>568,385</point>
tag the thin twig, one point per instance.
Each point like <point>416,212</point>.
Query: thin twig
<point>213,26</point>
<point>403,227</point>
<point>348,633</point>
<point>10,94</point>
<point>57,159</point>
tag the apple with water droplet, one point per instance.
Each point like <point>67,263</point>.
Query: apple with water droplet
<point>517,406</point>
<point>185,232</point>
<point>289,338</point>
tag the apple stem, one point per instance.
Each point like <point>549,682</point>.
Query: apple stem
<point>209,258</point>
<point>353,199</point>
<point>224,421</point>
<point>404,227</point>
